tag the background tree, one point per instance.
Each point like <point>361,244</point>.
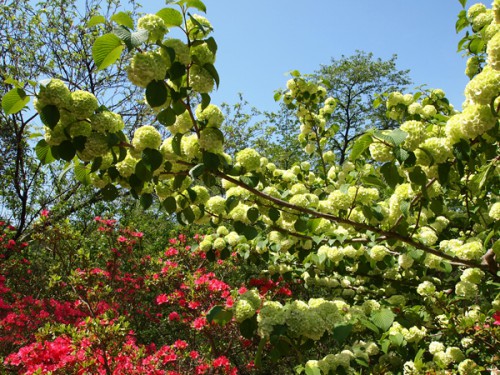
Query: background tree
<point>59,40</point>
<point>354,81</point>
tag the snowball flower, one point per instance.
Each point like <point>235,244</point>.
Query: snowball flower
<point>216,205</point>
<point>484,87</point>
<point>495,211</point>
<point>83,104</point>
<point>381,152</point>
<point>211,115</point>
<point>468,367</point>
<point>200,29</point>
<point>248,159</point>
<point>95,145</point>
<point>436,347</point>
<point>154,25</point>
<point>146,67</point>
<point>146,137</point>
<point>181,50</point>
<point>466,289</point>
<point>55,92</point>
<point>472,275</point>
<point>378,252</point>
<point>426,289</point>
<point>243,310</point>
<point>107,121</point>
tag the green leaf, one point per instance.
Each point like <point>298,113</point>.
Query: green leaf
<point>14,101</point>
<point>277,96</point>
<point>171,17</point>
<point>176,144</point>
<point>391,175</point>
<point>123,19</point>
<point>212,45</point>
<point>444,173</point>
<point>340,333</point>
<point>360,145</point>
<point>205,101</point>
<point>274,214</point>
<point>138,37</point>
<point>383,319</point>
<point>197,171</point>
<point>246,230</point>
<point>312,369</point>
<point>178,180</point>
<point>462,150</point>
<point>177,70</point>
<point>188,214</point>
<point>398,136</point>
<point>96,20</point>
<point>50,116</point>
<point>143,171</point>
<point>146,200</point>
<point>170,204</point>
<point>463,2</point>
<point>66,150</point>
<point>96,164</point>
<point>219,315</point>
<point>370,325</point>
<point>477,45</point>
<point>300,224</point>
<point>418,176</point>
<point>211,161</point>
<point>153,158</point>
<point>43,152</point>
<point>397,339</point>
<point>109,192</point>
<point>82,174</point>
<point>197,4</point>
<point>213,72</point>
<point>166,117</point>
<point>251,181</point>
<point>106,50</point>
<point>156,93</point>
<point>248,327</point>
<point>253,214</point>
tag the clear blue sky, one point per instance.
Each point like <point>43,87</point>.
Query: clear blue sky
<point>261,40</point>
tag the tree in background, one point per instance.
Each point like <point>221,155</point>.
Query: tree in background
<point>355,81</point>
<point>60,45</point>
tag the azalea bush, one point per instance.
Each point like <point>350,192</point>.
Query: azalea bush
<point>117,311</point>
<point>393,254</point>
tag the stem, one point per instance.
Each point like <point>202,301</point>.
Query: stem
<point>359,226</point>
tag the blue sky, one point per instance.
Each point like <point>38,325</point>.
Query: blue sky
<point>261,40</point>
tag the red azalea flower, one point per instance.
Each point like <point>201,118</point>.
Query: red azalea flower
<point>162,298</point>
<point>181,344</point>
<point>173,316</point>
<point>44,213</point>
<point>221,361</point>
<point>496,316</point>
<point>199,323</point>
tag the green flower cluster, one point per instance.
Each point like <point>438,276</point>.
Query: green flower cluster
<point>247,305</point>
<point>154,25</point>
<point>198,27</point>
<point>146,67</point>
<point>146,137</point>
<point>211,116</point>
